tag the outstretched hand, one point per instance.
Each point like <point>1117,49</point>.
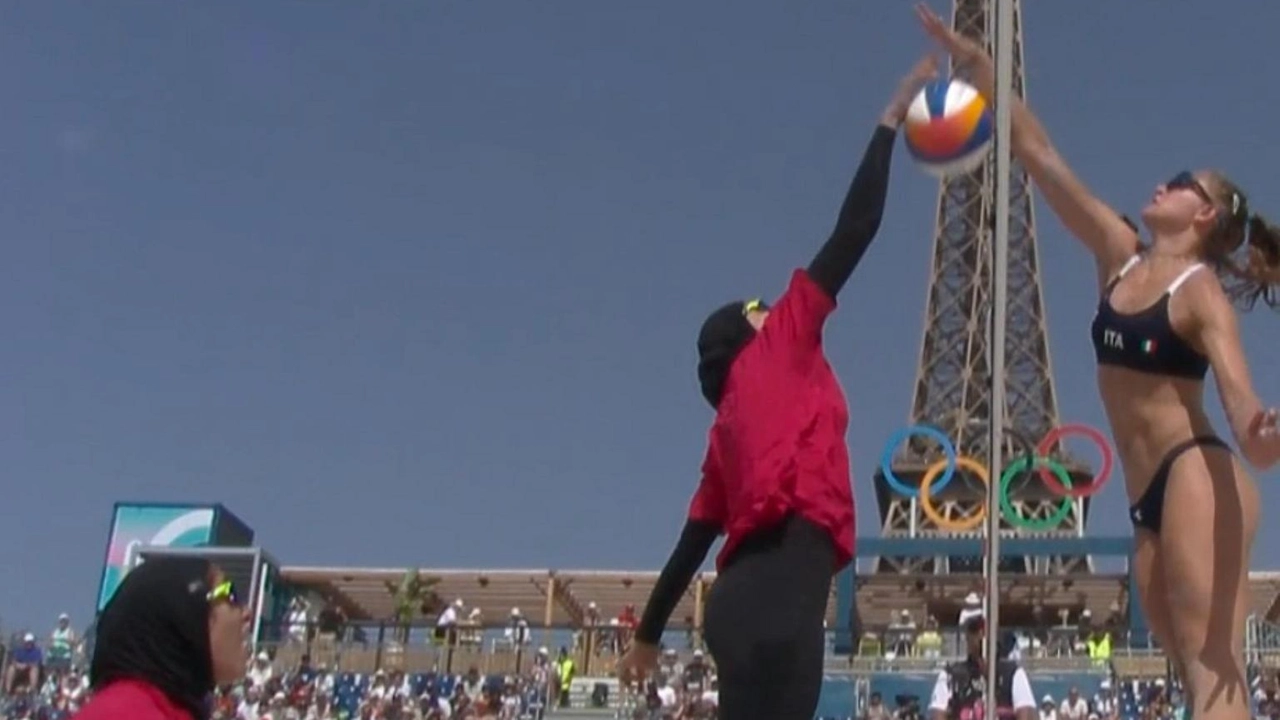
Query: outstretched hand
<point>962,49</point>
<point>924,71</point>
<point>640,660</point>
<point>1263,442</point>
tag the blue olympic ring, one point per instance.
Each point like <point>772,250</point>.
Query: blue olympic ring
<point>886,458</point>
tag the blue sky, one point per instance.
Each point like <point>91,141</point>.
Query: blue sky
<point>418,283</point>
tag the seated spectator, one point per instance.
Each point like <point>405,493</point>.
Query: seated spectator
<point>876,709</point>
<point>1073,707</point>
<point>1104,703</point>
<point>62,644</point>
<point>25,663</point>
<point>901,634</point>
<point>930,641</point>
<point>1048,708</point>
<point>260,670</point>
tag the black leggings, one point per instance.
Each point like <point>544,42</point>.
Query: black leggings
<point>764,623</point>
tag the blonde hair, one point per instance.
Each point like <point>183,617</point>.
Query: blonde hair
<point>1245,247</point>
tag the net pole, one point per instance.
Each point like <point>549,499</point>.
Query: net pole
<point>1003,56</point>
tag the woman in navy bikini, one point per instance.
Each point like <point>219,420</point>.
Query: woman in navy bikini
<point>1163,320</point>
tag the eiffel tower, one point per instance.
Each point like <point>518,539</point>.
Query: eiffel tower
<point>953,383</point>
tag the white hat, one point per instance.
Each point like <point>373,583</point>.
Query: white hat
<point>29,638</point>
<point>972,599</point>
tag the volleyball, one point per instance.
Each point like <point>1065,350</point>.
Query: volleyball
<point>948,128</point>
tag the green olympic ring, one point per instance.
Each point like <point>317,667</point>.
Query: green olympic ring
<point>1024,464</point>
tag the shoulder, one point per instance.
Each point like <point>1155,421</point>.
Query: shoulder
<point>804,286</point>
<point>1205,300</point>
<point>131,699</point>
<point>804,299</point>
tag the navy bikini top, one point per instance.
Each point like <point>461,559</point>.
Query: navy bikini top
<point>1144,341</point>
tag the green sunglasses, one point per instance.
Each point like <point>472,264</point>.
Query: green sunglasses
<point>224,592</point>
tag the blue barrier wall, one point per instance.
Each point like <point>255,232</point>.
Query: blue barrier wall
<point>839,697</point>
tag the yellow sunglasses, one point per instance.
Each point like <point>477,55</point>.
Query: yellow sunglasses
<point>223,592</point>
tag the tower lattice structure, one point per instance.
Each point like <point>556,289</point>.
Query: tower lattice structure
<point>953,382</point>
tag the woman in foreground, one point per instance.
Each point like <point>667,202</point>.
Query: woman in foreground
<point>776,479</point>
<point>1163,320</point>
<point>173,632</point>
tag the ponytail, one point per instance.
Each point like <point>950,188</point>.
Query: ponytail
<point>1256,276</point>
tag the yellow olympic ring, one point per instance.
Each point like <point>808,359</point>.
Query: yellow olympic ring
<point>926,499</point>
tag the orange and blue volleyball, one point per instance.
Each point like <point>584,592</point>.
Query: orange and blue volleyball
<point>948,128</point>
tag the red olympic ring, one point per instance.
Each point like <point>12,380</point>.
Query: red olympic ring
<point>1084,490</point>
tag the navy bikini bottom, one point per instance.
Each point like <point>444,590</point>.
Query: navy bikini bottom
<point>1148,512</point>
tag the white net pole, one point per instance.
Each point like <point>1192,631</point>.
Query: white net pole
<point>1003,56</point>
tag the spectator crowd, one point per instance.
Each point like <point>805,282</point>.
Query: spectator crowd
<point>44,677</point>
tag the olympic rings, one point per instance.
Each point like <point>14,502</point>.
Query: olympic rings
<point>1054,474</point>
<point>926,499</point>
<point>886,458</point>
<point>1104,473</point>
<point>1006,506</point>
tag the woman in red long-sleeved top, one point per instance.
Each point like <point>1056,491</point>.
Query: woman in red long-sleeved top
<point>775,480</point>
<point>173,632</point>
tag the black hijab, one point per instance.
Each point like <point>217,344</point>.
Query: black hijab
<point>156,629</point>
<point>723,335</point>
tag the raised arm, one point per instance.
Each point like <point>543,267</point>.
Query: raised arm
<point>1111,240</point>
<point>1218,335</point>
<point>863,207</point>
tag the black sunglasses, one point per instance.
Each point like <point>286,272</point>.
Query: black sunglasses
<point>1186,180</point>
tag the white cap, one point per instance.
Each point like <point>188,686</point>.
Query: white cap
<point>457,603</point>
<point>263,657</point>
<point>972,599</point>
<point>64,616</point>
<point>1046,699</point>
<point>28,638</point>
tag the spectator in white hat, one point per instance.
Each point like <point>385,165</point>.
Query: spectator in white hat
<point>23,674</point>
<point>62,644</point>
